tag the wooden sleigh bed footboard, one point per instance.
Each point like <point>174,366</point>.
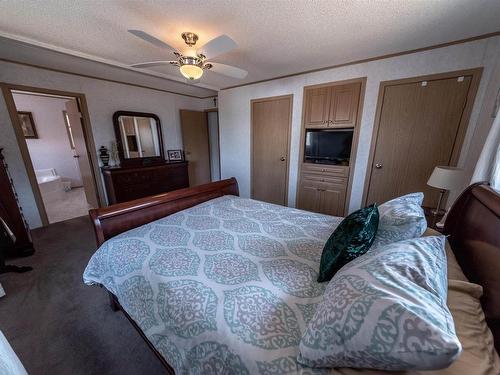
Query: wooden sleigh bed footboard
<point>118,218</point>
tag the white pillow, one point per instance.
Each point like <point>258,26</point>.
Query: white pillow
<point>386,310</point>
<point>400,219</point>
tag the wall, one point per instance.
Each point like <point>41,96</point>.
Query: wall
<point>489,107</point>
<point>52,148</point>
<point>234,107</point>
<point>103,99</point>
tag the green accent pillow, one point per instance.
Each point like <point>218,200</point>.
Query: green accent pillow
<point>352,238</point>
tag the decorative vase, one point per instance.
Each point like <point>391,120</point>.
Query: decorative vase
<point>104,156</point>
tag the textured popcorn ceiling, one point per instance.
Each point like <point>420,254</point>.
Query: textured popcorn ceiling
<point>275,38</point>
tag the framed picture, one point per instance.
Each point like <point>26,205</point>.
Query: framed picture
<point>175,155</point>
<point>27,124</point>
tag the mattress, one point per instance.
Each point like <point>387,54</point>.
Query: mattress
<point>227,286</point>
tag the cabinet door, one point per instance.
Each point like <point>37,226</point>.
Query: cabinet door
<point>344,105</point>
<point>332,199</point>
<point>309,197</point>
<point>317,106</point>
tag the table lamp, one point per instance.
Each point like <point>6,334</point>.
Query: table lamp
<point>445,178</point>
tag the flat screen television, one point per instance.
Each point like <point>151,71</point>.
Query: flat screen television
<point>332,146</point>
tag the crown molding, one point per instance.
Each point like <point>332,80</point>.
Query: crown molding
<point>435,46</point>
<point>104,79</point>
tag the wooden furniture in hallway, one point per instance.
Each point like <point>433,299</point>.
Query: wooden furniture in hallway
<point>11,214</point>
<point>420,123</point>
<point>325,185</point>
<point>271,122</point>
<point>125,184</point>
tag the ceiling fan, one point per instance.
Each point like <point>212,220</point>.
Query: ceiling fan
<point>193,62</point>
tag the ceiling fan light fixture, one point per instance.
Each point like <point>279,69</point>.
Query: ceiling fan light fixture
<point>192,62</point>
<point>191,72</point>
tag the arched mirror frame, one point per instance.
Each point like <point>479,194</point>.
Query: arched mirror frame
<point>137,161</point>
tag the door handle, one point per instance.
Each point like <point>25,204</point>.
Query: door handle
<point>282,158</point>
<point>76,156</point>
<point>378,166</point>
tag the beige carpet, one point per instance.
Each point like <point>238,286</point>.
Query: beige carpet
<point>67,205</point>
<point>58,325</point>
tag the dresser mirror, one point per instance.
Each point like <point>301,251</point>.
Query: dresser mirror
<point>139,138</point>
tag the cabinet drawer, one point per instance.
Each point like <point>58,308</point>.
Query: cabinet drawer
<point>316,177</point>
<point>125,184</point>
<point>326,170</point>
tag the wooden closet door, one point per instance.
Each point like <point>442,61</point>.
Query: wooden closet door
<point>195,141</point>
<point>418,127</point>
<point>270,138</point>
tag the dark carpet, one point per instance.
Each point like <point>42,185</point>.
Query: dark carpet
<point>58,325</point>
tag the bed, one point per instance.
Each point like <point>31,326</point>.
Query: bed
<point>215,283</point>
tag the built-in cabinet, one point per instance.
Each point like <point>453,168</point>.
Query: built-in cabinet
<point>331,106</point>
<point>323,187</point>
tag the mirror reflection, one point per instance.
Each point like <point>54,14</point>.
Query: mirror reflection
<point>139,136</point>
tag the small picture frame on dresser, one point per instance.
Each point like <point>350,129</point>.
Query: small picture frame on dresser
<point>175,155</point>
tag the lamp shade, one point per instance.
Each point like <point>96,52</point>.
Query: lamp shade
<point>191,72</point>
<point>446,178</point>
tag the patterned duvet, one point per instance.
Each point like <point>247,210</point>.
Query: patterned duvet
<point>225,287</point>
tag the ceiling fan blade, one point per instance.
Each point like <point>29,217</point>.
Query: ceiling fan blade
<point>217,46</point>
<point>153,63</point>
<point>151,39</point>
<point>228,70</point>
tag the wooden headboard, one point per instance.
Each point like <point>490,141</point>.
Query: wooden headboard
<point>113,220</point>
<point>473,226</point>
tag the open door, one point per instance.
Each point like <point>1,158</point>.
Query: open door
<point>196,147</point>
<point>74,118</point>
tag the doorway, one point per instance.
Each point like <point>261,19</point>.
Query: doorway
<point>51,133</point>
<point>271,120</point>
<point>200,139</point>
<point>420,123</point>
<point>213,141</point>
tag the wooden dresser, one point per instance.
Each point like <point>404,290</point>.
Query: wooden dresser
<point>324,188</point>
<point>12,216</point>
<point>128,183</point>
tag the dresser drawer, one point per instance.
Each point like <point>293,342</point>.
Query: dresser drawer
<point>125,184</point>
<point>325,170</point>
<point>327,178</point>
